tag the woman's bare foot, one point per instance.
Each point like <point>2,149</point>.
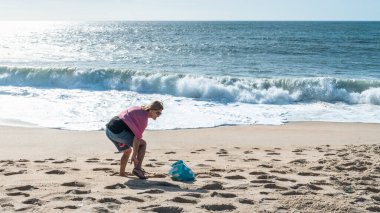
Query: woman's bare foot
<point>139,173</point>
<point>123,175</point>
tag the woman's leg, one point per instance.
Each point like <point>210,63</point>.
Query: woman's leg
<point>141,154</point>
<point>124,161</point>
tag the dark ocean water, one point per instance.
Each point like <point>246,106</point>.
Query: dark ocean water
<point>299,70</point>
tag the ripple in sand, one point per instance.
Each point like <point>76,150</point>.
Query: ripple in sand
<point>183,200</point>
<point>223,195</point>
<point>133,199</point>
<point>221,207</point>
<point>109,200</point>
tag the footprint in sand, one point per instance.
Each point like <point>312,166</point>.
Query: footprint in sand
<point>213,186</point>
<point>263,181</point>
<point>292,192</point>
<point>33,201</point>
<point>223,195</point>
<point>299,161</point>
<point>278,171</point>
<point>183,200</point>
<point>74,184</point>
<point>63,161</point>
<point>265,166</point>
<point>92,160</point>
<point>15,173</point>
<point>258,173</point>
<point>167,209</point>
<point>273,153</point>
<point>56,172</point>
<point>235,177</point>
<point>157,175</point>
<point>274,186</point>
<point>78,192</point>
<point>39,161</point>
<point>133,199</point>
<point>152,191</point>
<point>18,194</point>
<point>196,195</point>
<point>250,160</point>
<point>116,186</point>
<point>102,169</point>
<point>308,174</point>
<point>168,153</point>
<point>246,201</point>
<point>109,200</point>
<point>219,207</point>
<point>22,188</point>
<point>67,207</point>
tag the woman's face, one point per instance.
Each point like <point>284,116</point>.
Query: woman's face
<point>154,114</point>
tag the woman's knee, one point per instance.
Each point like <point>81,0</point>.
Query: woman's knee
<point>128,151</point>
<point>142,142</point>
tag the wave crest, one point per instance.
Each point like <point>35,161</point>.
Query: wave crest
<point>222,89</point>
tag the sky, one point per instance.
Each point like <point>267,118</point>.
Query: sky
<point>169,10</point>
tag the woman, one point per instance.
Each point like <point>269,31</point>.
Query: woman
<point>126,131</point>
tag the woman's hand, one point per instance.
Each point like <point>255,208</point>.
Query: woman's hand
<point>134,160</point>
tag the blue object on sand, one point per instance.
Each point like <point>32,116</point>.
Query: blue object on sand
<point>181,172</point>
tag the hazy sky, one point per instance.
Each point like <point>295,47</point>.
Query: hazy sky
<point>190,10</point>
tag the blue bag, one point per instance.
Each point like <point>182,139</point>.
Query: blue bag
<point>181,172</point>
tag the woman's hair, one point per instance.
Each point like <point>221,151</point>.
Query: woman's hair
<point>155,105</point>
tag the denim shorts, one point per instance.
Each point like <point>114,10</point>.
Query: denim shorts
<point>122,140</point>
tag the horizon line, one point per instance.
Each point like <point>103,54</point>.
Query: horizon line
<point>191,20</point>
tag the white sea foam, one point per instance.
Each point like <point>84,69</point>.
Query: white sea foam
<point>77,109</point>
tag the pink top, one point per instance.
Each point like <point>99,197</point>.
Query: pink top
<point>136,118</point>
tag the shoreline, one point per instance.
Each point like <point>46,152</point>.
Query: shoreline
<point>25,141</point>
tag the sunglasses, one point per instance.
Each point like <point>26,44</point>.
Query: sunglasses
<point>158,113</point>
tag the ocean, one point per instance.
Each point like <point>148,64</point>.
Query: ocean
<point>78,75</point>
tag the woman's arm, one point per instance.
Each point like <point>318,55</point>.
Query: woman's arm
<point>135,150</point>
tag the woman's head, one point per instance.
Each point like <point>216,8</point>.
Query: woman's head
<point>154,109</point>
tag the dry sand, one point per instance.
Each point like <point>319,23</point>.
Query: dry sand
<point>297,167</point>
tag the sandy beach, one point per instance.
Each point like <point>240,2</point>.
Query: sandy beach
<point>296,167</point>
